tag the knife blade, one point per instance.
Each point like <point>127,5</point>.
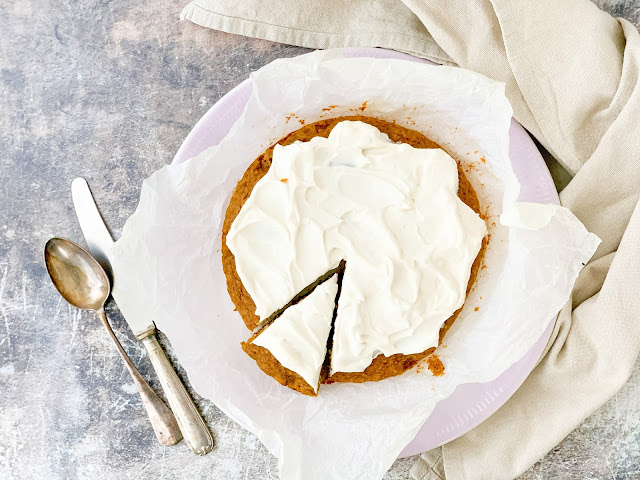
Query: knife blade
<point>93,228</point>
<point>194,430</point>
<point>100,244</point>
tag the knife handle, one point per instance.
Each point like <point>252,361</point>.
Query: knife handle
<point>194,430</point>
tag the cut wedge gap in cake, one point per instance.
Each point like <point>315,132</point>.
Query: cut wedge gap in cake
<point>292,348</point>
<point>306,291</point>
<point>326,366</point>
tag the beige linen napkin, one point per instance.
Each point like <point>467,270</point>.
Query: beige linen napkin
<point>572,76</point>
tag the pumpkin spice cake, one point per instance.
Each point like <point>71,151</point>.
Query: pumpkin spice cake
<point>370,362</point>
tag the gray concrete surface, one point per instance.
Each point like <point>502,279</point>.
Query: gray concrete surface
<point>108,89</point>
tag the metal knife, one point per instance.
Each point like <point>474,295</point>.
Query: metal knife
<point>194,430</point>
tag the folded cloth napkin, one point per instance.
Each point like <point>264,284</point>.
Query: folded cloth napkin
<point>571,74</point>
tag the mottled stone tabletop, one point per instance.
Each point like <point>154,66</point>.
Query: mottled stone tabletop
<point>107,90</point>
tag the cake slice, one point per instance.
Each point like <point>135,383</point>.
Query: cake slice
<point>292,348</point>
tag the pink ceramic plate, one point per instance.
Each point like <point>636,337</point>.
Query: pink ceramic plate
<point>471,403</point>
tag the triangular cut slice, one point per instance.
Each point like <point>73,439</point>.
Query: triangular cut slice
<point>293,347</point>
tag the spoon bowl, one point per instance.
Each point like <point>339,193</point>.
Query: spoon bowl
<point>84,284</point>
<point>76,274</point>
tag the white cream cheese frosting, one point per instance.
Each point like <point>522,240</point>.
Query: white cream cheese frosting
<point>298,337</point>
<point>390,210</point>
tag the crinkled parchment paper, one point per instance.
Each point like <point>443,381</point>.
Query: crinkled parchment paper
<point>168,264</point>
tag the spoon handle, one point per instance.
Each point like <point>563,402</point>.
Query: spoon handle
<point>162,420</point>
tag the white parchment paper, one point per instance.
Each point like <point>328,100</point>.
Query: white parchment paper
<point>167,263</point>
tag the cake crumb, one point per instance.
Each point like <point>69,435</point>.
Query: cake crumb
<point>435,366</point>
<point>476,309</point>
<point>483,160</point>
<point>284,180</point>
<point>329,108</point>
<point>364,105</point>
<point>301,121</point>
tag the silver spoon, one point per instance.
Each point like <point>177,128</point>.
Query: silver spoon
<point>84,284</point>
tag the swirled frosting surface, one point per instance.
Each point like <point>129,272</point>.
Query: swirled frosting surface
<point>390,210</point>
